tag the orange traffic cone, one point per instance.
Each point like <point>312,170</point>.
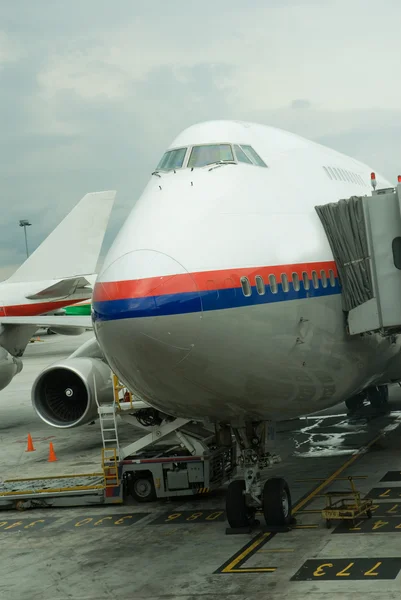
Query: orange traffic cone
<point>52,454</point>
<point>30,447</point>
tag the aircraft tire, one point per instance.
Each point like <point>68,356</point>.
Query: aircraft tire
<point>276,502</point>
<point>238,514</point>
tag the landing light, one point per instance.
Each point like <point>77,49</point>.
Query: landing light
<point>399,178</point>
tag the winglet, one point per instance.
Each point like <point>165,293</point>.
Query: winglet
<point>72,249</point>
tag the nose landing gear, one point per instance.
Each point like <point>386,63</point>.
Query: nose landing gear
<point>246,496</point>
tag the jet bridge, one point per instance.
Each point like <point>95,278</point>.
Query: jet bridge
<point>365,237</point>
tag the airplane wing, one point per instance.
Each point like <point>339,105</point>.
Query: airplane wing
<point>49,321</point>
<point>63,288</point>
<point>72,249</point>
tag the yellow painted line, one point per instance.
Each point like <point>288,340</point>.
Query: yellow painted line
<point>334,476</point>
<point>310,511</point>
<point>230,568</point>
<point>256,570</point>
<point>305,526</point>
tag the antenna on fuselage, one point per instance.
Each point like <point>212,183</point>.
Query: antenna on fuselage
<point>373,180</point>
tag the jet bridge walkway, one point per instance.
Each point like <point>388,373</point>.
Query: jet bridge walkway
<point>364,233</point>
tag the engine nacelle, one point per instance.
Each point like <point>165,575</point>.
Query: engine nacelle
<point>68,330</point>
<point>63,395</point>
<point>10,366</point>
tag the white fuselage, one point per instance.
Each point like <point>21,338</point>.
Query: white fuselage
<point>220,296</point>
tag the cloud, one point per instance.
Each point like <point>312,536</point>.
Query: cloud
<point>92,93</point>
<point>300,104</point>
<point>10,51</point>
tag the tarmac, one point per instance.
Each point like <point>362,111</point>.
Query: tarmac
<point>180,548</point>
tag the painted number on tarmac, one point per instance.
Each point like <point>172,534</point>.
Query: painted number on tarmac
<point>188,516</point>
<point>346,569</point>
<point>24,524</point>
<point>388,524</point>
<point>105,521</point>
<point>387,509</point>
<point>385,493</point>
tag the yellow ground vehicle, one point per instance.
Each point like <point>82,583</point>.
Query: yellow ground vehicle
<point>346,506</point>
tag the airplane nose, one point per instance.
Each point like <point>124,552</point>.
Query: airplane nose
<point>146,324</point>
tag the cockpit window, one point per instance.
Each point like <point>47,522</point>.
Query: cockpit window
<point>173,159</point>
<point>241,156</point>
<point>254,156</point>
<point>210,154</point>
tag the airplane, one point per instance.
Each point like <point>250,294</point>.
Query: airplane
<point>60,272</point>
<point>220,300</point>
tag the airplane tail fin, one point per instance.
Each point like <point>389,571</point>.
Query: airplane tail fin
<point>72,249</point>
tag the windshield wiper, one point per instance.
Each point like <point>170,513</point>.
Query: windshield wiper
<point>156,173</point>
<point>219,163</point>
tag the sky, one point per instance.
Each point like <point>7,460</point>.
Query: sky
<point>93,91</point>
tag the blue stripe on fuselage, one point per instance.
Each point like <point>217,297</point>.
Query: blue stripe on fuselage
<point>188,302</point>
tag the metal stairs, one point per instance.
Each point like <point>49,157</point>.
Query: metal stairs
<point>111,447</point>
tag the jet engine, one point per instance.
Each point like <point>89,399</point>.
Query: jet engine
<point>9,367</point>
<point>64,394</point>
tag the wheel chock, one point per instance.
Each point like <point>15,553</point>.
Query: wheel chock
<point>241,530</point>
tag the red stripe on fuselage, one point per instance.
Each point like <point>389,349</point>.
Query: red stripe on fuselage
<point>203,280</point>
<point>33,309</point>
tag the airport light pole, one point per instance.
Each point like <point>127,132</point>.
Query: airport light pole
<point>25,223</point>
